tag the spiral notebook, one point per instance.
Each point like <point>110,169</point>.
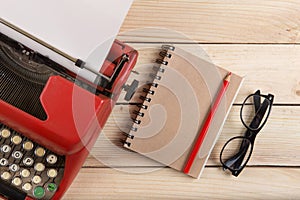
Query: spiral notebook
<point>174,107</point>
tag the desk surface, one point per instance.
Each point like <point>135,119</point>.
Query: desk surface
<point>256,39</point>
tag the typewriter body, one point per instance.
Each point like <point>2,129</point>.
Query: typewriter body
<point>50,117</point>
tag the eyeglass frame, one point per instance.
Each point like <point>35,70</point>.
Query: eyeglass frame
<point>250,133</point>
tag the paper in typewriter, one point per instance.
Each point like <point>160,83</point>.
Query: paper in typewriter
<point>77,28</point>
<point>177,110</point>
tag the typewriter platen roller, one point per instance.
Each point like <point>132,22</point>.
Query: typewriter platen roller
<point>50,118</point>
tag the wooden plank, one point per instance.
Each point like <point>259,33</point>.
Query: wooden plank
<point>266,67</point>
<point>257,183</point>
<point>276,144</point>
<point>271,68</point>
<point>215,21</point>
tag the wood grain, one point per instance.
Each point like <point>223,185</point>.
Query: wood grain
<point>256,39</point>
<point>277,144</point>
<point>254,183</point>
<point>271,68</point>
<point>215,21</point>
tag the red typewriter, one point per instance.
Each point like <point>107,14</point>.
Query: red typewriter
<point>50,118</point>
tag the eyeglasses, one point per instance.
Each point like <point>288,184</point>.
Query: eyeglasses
<point>254,114</point>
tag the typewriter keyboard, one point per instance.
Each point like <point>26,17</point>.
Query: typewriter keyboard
<point>26,168</point>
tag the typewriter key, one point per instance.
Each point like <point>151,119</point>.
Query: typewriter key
<point>14,168</point>
<point>40,152</point>
<point>17,155</point>
<point>39,192</point>
<point>52,187</point>
<point>28,146</point>
<point>5,175</point>
<point>6,149</point>
<point>25,173</point>
<point>51,159</point>
<point>17,181</point>
<point>16,139</point>
<point>39,167</point>
<point>3,162</point>
<point>28,161</point>
<point>36,179</point>
<point>52,173</point>
<point>5,133</point>
<point>27,187</point>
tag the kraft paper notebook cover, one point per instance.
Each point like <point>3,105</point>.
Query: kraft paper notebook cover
<point>175,106</point>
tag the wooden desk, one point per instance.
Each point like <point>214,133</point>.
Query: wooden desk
<point>257,39</point>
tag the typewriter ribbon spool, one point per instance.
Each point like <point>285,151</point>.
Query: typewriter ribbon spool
<point>148,92</point>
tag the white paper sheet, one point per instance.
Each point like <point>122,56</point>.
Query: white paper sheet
<point>75,27</point>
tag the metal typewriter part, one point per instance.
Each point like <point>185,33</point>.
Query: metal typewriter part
<point>24,74</point>
<point>22,81</point>
<point>50,116</point>
<point>78,62</point>
<point>26,168</point>
<point>102,80</point>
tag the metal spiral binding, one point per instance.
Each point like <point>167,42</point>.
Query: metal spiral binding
<point>139,113</point>
<point>142,106</point>
<point>155,77</point>
<point>159,69</point>
<point>148,91</point>
<point>129,135</point>
<point>154,85</point>
<point>148,99</point>
<point>165,53</point>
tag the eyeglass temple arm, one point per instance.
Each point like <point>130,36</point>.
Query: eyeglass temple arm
<point>256,122</point>
<point>260,112</point>
<point>240,154</point>
<point>236,160</point>
<point>257,100</point>
<point>259,116</point>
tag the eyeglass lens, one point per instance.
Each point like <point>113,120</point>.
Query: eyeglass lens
<point>236,153</point>
<point>255,111</point>
<point>254,114</point>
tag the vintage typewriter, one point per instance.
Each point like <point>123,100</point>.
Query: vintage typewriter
<point>50,117</point>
